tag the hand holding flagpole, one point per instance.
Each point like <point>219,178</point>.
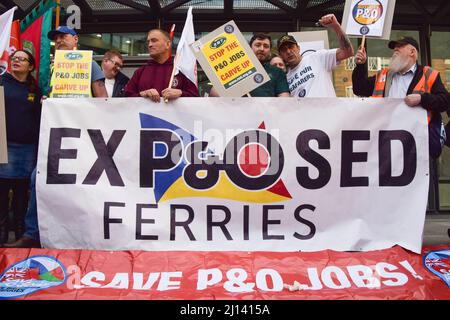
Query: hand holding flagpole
<point>172,76</point>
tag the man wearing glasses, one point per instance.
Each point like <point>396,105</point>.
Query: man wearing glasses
<point>115,81</point>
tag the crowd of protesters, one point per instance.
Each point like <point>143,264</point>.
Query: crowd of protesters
<point>290,74</point>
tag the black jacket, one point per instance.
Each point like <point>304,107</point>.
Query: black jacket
<point>119,85</point>
<point>438,100</point>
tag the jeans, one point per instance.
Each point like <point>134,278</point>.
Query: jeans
<point>31,218</point>
<point>19,205</point>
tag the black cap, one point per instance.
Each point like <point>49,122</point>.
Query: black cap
<point>286,39</point>
<point>404,41</point>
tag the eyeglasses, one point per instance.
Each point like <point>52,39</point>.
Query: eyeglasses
<point>21,59</point>
<point>118,65</point>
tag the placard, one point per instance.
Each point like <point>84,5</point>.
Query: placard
<point>229,62</point>
<point>311,41</point>
<point>372,18</point>
<point>71,76</point>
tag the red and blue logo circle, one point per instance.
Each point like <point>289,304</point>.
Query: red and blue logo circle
<point>438,262</point>
<point>30,275</point>
<point>367,12</point>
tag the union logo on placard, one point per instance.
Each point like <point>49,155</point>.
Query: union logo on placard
<point>31,275</point>
<point>73,56</point>
<point>438,262</point>
<point>217,43</point>
<point>367,12</point>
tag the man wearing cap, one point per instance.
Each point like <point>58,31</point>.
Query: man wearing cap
<point>405,78</point>
<point>152,80</point>
<point>310,76</point>
<point>66,38</point>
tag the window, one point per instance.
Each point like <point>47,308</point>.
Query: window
<point>350,63</point>
<point>440,61</point>
<point>447,77</point>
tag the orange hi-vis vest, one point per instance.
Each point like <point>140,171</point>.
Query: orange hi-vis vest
<point>425,83</point>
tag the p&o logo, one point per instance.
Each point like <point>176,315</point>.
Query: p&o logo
<point>182,166</point>
<point>31,275</point>
<point>367,12</point>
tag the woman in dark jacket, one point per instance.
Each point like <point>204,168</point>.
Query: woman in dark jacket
<point>23,113</point>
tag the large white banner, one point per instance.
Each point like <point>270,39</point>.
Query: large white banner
<point>235,174</point>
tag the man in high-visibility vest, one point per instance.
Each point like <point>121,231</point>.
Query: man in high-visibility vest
<point>405,78</point>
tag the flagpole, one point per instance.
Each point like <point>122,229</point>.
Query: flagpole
<point>363,40</point>
<point>175,60</point>
<point>58,13</point>
<point>172,32</point>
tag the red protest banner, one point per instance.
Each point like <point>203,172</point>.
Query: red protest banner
<point>82,274</point>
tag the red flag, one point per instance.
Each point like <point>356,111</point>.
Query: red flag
<point>31,41</point>
<point>14,44</point>
<point>34,39</point>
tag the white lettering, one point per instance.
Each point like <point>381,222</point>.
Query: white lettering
<point>208,277</point>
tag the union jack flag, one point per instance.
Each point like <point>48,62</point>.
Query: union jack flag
<point>15,273</point>
<point>434,262</point>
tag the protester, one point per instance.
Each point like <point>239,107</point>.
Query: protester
<point>277,86</point>
<point>23,112</point>
<point>405,78</point>
<point>115,81</point>
<point>65,39</point>
<point>152,80</point>
<point>276,61</point>
<point>310,76</point>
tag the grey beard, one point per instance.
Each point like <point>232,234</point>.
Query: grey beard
<point>397,63</point>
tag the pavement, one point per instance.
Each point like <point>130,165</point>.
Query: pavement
<point>436,229</point>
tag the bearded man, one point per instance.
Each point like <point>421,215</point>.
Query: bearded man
<point>405,78</point>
